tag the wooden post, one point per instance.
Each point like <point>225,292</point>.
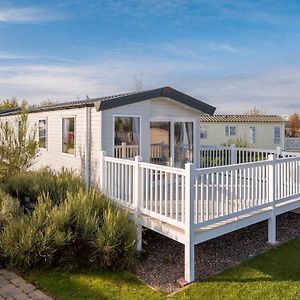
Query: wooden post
<point>102,171</point>
<point>189,250</point>
<point>137,201</point>
<point>233,155</point>
<point>272,220</point>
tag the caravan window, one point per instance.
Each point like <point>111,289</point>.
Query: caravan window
<point>277,137</point>
<point>43,134</point>
<point>68,135</point>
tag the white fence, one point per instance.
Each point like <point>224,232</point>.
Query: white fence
<point>292,143</point>
<point>155,190</point>
<point>193,198</point>
<point>231,191</point>
<point>219,192</point>
<point>212,156</point>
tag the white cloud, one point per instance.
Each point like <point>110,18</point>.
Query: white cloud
<point>274,90</point>
<point>32,14</point>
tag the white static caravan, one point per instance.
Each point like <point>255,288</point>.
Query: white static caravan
<point>259,131</point>
<point>160,125</point>
<point>160,129</point>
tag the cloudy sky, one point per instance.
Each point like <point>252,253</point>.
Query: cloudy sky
<point>234,54</point>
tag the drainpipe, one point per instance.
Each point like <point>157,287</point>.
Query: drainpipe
<point>87,161</point>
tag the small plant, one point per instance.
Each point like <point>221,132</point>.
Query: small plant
<point>238,142</point>
<point>18,145</point>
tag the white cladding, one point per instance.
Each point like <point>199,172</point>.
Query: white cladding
<point>102,132</point>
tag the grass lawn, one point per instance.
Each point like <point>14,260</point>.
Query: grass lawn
<point>272,275</point>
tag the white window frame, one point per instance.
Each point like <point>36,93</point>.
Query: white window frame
<point>228,130</point>
<point>75,133</point>
<point>276,139</point>
<point>252,135</point>
<point>173,120</point>
<point>113,131</point>
<point>203,129</point>
<point>46,133</point>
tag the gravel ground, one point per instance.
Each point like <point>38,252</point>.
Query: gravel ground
<point>164,261</point>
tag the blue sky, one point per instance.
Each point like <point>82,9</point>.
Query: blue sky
<point>233,54</point>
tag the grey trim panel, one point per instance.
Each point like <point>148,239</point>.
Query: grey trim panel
<point>161,92</point>
<point>108,102</point>
<point>9,111</point>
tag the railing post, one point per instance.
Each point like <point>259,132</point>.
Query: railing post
<point>137,201</point>
<point>123,150</point>
<point>278,151</point>
<point>233,154</point>
<point>102,171</point>
<point>189,251</point>
<point>271,189</point>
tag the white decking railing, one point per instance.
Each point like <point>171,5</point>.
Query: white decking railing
<point>212,156</point>
<point>292,143</point>
<point>219,192</point>
<point>200,203</point>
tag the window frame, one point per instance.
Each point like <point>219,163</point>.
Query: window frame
<point>114,129</point>
<point>228,130</point>
<point>277,140</point>
<point>252,139</point>
<point>46,133</point>
<point>62,134</point>
<point>206,131</point>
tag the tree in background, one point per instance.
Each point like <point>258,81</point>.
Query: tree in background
<point>18,145</point>
<point>255,111</point>
<point>44,103</point>
<point>12,103</point>
<point>9,103</point>
<point>294,124</point>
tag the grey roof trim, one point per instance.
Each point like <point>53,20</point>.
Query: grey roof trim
<point>8,111</point>
<point>104,103</point>
<point>168,92</point>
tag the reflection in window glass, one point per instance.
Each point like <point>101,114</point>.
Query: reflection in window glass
<point>183,143</point>
<point>68,135</point>
<point>160,143</point>
<point>127,137</point>
<point>127,130</point>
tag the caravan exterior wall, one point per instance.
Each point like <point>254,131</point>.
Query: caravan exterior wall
<point>53,156</point>
<point>264,134</point>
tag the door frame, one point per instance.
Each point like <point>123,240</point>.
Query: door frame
<point>173,120</point>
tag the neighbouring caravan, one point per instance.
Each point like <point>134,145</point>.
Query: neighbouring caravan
<point>258,131</point>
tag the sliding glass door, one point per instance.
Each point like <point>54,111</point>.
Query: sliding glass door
<point>171,143</point>
<point>183,143</point>
<point>160,143</point>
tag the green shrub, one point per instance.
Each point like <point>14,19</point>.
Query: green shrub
<point>28,186</point>
<point>33,239</point>
<point>85,228</point>
<point>9,209</point>
<point>114,240</point>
